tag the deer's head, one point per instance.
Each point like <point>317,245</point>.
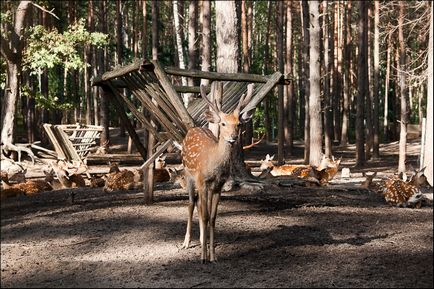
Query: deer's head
<point>267,163</point>
<point>229,123</point>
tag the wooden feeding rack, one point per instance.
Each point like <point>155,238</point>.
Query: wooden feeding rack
<point>145,87</point>
<point>73,142</point>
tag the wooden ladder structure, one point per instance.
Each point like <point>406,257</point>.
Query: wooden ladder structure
<point>145,86</point>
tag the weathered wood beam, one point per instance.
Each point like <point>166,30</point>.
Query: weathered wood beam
<point>117,72</point>
<point>245,77</point>
<point>158,152</point>
<point>171,93</point>
<point>259,96</point>
<point>190,89</point>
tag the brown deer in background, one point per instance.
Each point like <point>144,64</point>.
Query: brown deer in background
<point>206,161</point>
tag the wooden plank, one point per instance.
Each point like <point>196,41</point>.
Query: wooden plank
<point>53,138</point>
<point>155,93</point>
<point>190,89</point>
<point>109,90</point>
<point>167,124</point>
<point>260,95</point>
<point>117,72</point>
<point>244,77</point>
<point>173,96</point>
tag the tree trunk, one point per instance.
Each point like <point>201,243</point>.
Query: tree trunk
<point>206,38</point>
<point>328,110</point>
<point>376,128</point>
<point>155,34</point>
<point>386,90</point>
<point>280,63</point>
<point>104,111</point>
<point>11,50</point>
<point>144,31</point>
<point>267,116</point>
<point>346,71</point>
<point>179,38</point>
<point>248,136</point>
<point>289,89</point>
<point>227,54</point>
<point>192,35</point>
<point>369,102</point>
<point>428,149</point>
<point>315,78</point>
<point>305,76</point>
<point>404,91</point>
<point>337,71</point>
<point>362,82</point>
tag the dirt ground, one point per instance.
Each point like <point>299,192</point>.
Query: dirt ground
<point>335,236</point>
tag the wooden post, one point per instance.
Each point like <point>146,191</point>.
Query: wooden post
<point>422,146</point>
<point>148,174</point>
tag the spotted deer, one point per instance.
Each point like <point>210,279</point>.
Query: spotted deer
<point>67,179</point>
<point>206,161</point>
<point>161,173</point>
<point>123,180</point>
<point>28,187</point>
<point>327,169</point>
<point>402,193</point>
<point>283,170</point>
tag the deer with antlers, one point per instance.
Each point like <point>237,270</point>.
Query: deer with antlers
<point>206,161</point>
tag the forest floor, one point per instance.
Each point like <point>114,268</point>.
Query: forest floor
<point>340,235</point>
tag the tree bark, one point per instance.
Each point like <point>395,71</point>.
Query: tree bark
<point>289,89</point>
<point>280,64</point>
<point>386,89</point>
<point>267,116</point>
<point>145,30</point>
<point>314,77</point>
<point>404,92</point>
<point>362,83</point>
<point>11,50</point>
<point>306,82</point>
<point>347,79</point>
<point>206,38</point>
<point>227,55</point>
<point>328,111</point>
<point>376,128</point>
<point>155,34</point>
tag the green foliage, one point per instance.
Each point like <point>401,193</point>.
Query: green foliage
<point>46,49</point>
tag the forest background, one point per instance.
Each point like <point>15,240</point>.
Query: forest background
<point>361,70</point>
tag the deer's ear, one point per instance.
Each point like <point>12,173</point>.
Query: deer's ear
<point>211,116</point>
<point>272,157</point>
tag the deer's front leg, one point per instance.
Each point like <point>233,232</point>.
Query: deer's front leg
<point>192,202</point>
<point>215,202</point>
<point>203,222</point>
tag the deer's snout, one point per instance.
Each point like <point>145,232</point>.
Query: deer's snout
<point>231,139</point>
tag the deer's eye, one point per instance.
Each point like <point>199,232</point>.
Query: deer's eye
<point>223,124</point>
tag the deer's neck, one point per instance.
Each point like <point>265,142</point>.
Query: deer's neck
<point>223,150</point>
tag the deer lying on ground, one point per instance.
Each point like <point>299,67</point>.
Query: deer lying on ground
<point>123,180</point>
<point>402,193</point>
<point>327,169</point>
<point>323,173</point>
<point>65,178</point>
<point>206,161</point>
<point>398,192</point>
<point>29,187</point>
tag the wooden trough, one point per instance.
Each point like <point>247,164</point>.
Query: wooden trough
<point>144,87</point>
<point>72,142</point>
